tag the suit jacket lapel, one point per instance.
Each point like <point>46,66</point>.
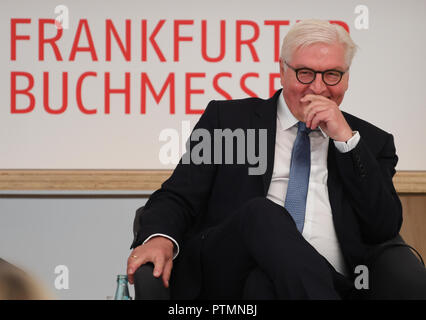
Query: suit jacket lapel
<point>265,117</point>
<point>334,187</point>
<point>334,184</point>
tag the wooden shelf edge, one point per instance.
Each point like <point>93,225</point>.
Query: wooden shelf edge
<point>412,182</point>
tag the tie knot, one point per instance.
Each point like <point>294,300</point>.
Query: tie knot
<point>302,128</point>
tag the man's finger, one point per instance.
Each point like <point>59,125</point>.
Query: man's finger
<point>158,266</point>
<point>316,103</point>
<point>131,278</point>
<point>167,272</point>
<point>313,97</point>
<point>132,265</point>
<point>131,271</point>
<point>312,111</point>
<point>319,117</point>
<point>309,98</point>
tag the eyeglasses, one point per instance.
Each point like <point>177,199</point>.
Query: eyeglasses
<point>306,75</point>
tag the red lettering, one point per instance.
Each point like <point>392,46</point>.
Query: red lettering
<point>272,77</point>
<point>216,84</point>
<point>125,50</point>
<point>243,83</point>
<point>14,37</point>
<point>277,38</point>
<point>178,38</point>
<point>204,41</point>
<point>52,41</point>
<point>247,42</point>
<point>46,93</point>
<point>152,40</point>
<point>75,48</point>
<point>170,82</point>
<point>78,93</point>
<point>340,23</point>
<point>14,92</point>
<point>125,91</point>
<point>189,91</point>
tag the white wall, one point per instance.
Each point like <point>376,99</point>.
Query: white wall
<point>386,87</point>
<point>90,235</point>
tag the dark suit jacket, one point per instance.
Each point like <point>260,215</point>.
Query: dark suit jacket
<point>366,209</point>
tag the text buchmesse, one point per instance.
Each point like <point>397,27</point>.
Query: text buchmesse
<point>148,41</point>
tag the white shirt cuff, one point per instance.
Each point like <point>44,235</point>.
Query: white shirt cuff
<point>348,145</point>
<point>175,247</point>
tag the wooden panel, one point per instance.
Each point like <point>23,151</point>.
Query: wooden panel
<point>410,185</point>
<point>82,179</point>
<point>414,225</point>
<point>405,181</point>
<point>410,181</point>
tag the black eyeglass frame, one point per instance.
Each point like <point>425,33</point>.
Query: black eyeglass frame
<point>296,70</point>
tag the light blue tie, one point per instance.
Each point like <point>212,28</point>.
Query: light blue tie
<point>295,201</point>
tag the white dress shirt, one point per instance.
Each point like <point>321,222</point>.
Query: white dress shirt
<point>318,228</point>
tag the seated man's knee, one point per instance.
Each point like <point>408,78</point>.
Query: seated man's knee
<point>258,286</point>
<point>262,210</point>
<point>257,205</point>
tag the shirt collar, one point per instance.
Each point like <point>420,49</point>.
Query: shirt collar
<point>286,118</point>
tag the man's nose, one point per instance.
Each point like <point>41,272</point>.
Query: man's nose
<point>318,86</point>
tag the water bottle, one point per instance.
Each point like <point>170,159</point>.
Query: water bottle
<point>122,292</point>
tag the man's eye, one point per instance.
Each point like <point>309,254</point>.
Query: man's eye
<point>332,74</point>
<point>305,73</point>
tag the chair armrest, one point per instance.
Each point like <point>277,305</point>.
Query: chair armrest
<point>148,287</point>
<point>395,272</point>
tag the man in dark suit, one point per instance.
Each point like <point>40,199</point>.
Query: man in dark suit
<point>298,230</point>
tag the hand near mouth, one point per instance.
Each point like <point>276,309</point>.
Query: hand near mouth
<point>325,113</point>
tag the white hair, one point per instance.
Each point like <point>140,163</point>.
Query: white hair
<point>308,32</point>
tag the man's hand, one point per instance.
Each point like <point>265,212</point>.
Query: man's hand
<point>325,113</point>
<point>159,251</point>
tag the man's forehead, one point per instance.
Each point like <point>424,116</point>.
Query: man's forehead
<point>321,47</point>
<point>341,67</point>
<point>320,55</point>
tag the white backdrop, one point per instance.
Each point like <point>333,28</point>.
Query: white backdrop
<point>386,85</point>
